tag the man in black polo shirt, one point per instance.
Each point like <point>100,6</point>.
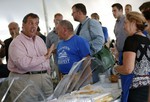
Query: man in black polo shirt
<point>14,31</point>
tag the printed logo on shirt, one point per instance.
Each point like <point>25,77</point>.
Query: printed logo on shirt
<point>62,54</point>
<point>63,57</point>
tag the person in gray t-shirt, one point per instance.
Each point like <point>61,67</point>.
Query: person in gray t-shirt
<point>119,31</point>
<point>52,38</point>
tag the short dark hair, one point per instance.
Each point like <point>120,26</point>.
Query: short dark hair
<point>145,6</point>
<point>128,5</point>
<point>81,7</point>
<point>57,14</point>
<point>32,15</point>
<point>118,5</point>
<point>95,16</point>
<point>146,14</point>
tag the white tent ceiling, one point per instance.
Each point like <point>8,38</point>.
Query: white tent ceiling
<point>15,10</point>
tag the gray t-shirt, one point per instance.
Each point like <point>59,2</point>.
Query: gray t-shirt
<point>120,33</point>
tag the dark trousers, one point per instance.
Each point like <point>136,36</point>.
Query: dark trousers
<point>4,72</point>
<point>139,94</point>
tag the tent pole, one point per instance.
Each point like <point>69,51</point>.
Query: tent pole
<point>45,15</point>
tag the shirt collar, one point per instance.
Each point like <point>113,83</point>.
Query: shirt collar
<point>29,38</point>
<point>54,30</point>
<point>85,20</point>
<point>121,18</point>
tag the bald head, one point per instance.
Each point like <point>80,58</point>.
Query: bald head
<point>13,29</point>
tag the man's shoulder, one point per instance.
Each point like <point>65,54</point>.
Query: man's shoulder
<point>17,39</point>
<point>8,40</point>
<point>122,18</point>
<point>104,27</point>
<point>79,39</point>
<point>93,21</point>
<point>52,33</point>
<point>89,21</point>
<point>43,36</point>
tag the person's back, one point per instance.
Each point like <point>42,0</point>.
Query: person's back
<point>105,31</point>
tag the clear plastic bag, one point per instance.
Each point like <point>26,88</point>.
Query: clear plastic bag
<point>79,76</point>
<point>24,93</point>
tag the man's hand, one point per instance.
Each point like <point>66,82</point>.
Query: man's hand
<point>49,51</point>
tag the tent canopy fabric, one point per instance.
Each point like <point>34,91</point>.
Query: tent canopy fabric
<point>15,10</point>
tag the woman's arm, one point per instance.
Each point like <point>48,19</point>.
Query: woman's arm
<point>128,63</point>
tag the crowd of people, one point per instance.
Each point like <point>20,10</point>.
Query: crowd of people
<point>28,52</point>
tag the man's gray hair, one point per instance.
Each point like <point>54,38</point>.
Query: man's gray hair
<point>67,24</point>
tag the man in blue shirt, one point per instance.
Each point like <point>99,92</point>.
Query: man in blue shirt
<point>71,48</point>
<point>91,29</point>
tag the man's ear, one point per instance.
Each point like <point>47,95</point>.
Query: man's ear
<point>65,30</point>
<point>121,10</point>
<point>18,28</point>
